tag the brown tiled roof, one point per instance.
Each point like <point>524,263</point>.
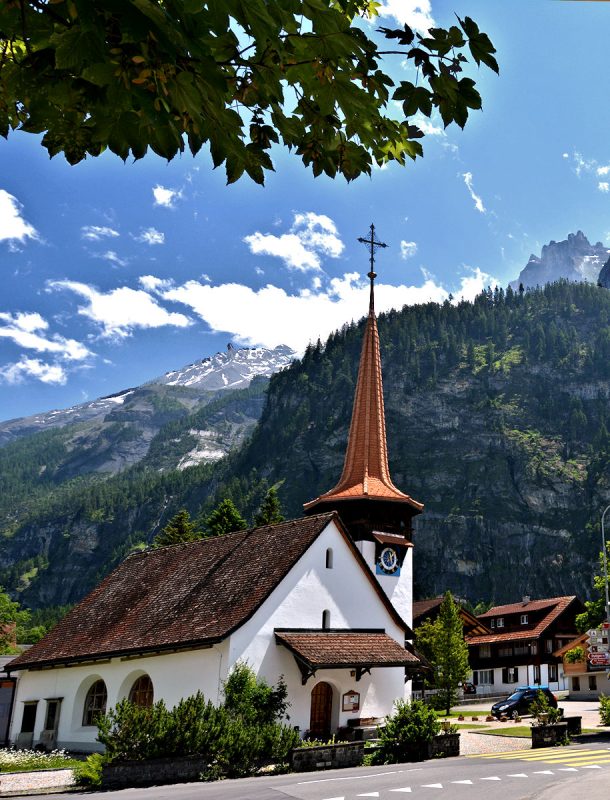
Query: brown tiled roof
<point>423,608</point>
<point>346,648</point>
<point>185,595</point>
<point>556,606</point>
<point>366,474</point>
<point>521,608</point>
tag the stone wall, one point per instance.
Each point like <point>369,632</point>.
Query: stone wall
<point>156,771</point>
<point>332,756</point>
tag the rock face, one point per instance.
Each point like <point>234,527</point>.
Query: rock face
<point>573,259</point>
<point>604,275</point>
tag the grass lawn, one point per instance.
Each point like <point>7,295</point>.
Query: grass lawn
<point>29,761</point>
<point>524,731</point>
<point>468,725</point>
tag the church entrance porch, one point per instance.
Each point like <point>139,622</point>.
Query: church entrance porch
<point>321,711</point>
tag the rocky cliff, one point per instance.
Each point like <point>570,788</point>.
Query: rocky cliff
<point>573,259</point>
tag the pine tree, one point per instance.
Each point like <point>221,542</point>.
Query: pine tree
<point>442,643</point>
<point>270,512</point>
<point>179,529</point>
<point>225,518</point>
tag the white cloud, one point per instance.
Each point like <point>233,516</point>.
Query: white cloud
<point>33,368</point>
<point>166,197</point>
<point>26,330</point>
<point>13,227</point>
<point>603,170</point>
<point>152,284</point>
<point>119,311</point>
<point>272,316</point>
<point>407,249</point>
<point>415,13</point>
<point>150,236</point>
<point>427,126</point>
<point>310,237</point>
<point>96,232</point>
<point>603,186</point>
<point>113,258</point>
<point>478,203</point>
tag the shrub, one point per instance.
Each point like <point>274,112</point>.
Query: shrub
<point>575,655</point>
<point>407,733</point>
<point>604,709</point>
<point>89,772</point>
<point>543,711</point>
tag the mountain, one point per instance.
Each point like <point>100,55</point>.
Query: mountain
<point>234,369</point>
<point>497,416</point>
<point>573,259</point>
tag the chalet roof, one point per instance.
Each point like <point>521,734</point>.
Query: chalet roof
<point>346,648</point>
<point>422,609</point>
<point>555,605</point>
<point>185,595</point>
<point>366,474</point>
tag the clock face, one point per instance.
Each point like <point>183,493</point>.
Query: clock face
<point>388,560</point>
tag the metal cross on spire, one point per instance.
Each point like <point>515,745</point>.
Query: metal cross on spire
<point>372,242</point>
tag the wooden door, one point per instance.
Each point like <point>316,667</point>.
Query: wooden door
<point>321,711</point>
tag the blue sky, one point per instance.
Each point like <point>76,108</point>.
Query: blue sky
<point>114,273</point>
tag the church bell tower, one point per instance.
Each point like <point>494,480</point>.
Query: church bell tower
<point>377,515</point>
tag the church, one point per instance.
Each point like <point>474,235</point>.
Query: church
<point>324,601</point>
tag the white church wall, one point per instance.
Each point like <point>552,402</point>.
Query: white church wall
<point>400,588</point>
<point>299,602</point>
<point>173,676</point>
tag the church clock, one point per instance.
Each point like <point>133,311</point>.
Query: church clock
<point>388,562</point>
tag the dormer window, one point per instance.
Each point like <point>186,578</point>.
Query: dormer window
<point>500,622</point>
<point>329,558</point>
<point>524,619</point>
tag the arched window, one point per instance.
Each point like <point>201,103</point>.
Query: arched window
<point>325,620</point>
<point>329,558</point>
<point>141,693</point>
<point>95,703</point>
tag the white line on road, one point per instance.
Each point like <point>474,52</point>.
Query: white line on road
<point>592,766</point>
<point>432,785</point>
<point>465,782</point>
<point>494,778</point>
<point>517,775</point>
<point>355,777</point>
<point>567,769</point>
<point>543,772</point>
<point>405,789</point>
<point>368,794</point>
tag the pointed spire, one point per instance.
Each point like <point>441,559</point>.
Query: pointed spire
<point>366,474</point>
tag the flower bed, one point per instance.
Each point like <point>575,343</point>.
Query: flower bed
<point>32,760</point>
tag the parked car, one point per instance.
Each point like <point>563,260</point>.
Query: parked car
<point>520,701</point>
<point>469,688</point>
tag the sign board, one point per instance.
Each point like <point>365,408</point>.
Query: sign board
<point>351,701</point>
<point>599,659</point>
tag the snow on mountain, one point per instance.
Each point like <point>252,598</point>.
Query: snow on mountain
<point>233,369</point>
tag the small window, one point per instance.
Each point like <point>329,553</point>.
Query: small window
<point>484,651</point>
<point>485,677</point>
<point>548,646</point>
<point>95,703</point>
<point>52,716</point>
<point>500,622</point>
<point>510,675</point>
<point>141,693</point>
<point>492,624</point>
<point>576,684</point>
<point>329,558</point>
<point>29,717</point>
<point>553,672</point>
<point>537,673</point>
<point>593,683</point>
<point>326,620</point>
<point>524,619</point>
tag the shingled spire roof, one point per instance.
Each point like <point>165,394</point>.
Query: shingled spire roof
<point>366,474</point>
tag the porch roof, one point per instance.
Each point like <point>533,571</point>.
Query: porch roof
<point>360,650</point>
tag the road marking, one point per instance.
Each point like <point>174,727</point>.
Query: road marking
<point>517,775</point>
<point>405,789</point>
<point>494,778</point>
<point>469,782</point>
<point>432,785</point>
<point>335,798</point>
<point>567,769</point>
<point>592,766</point>
<point>360,777</point>
<point>543,772</point>
<point>368,794</point>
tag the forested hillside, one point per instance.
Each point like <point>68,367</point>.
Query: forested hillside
<point>497,415</point>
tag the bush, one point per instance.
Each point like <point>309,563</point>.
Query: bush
<point>543,711</point>
<point>575,655</point>
<point>235,739</point>
<point>89,772</point>
<point>604,709</point>
<point>407,733</point>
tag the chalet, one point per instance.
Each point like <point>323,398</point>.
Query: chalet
<point>429,609</point>
<point>586,664</point>
<point>325,601</point>
<point>520,650</point>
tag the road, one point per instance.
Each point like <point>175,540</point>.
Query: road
<point>550,774</point>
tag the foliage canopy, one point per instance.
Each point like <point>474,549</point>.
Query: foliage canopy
<point>129,75</point>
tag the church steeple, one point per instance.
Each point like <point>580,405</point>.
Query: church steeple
<point>365,495</point>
